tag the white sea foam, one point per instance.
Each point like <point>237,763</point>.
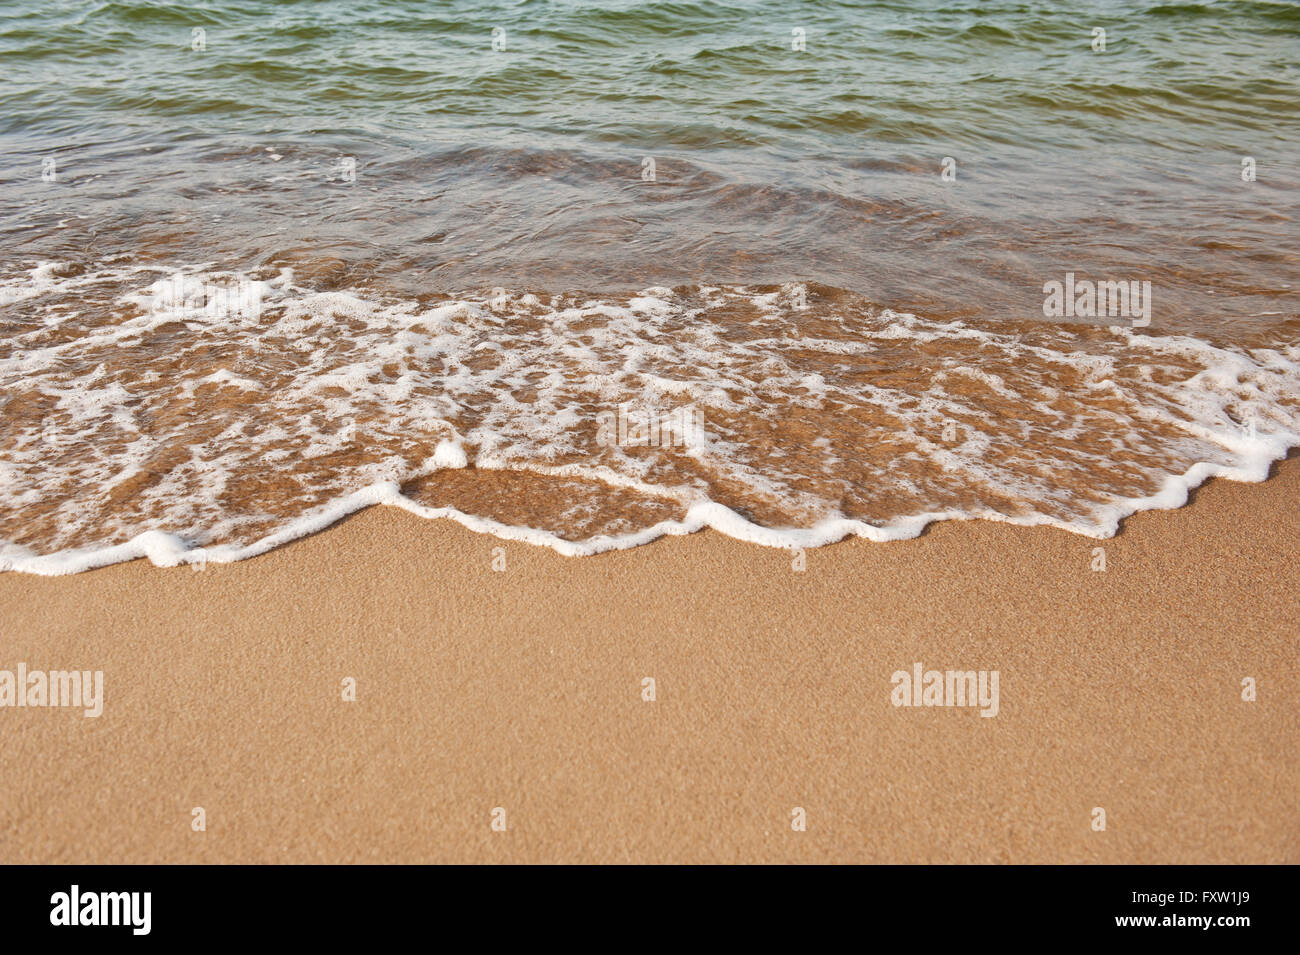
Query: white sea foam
<point>148,433</point>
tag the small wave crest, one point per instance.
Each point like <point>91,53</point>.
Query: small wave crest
<point>205,415</point>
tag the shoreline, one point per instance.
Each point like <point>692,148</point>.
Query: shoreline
<point>166,550</point>
<point>521,688</point>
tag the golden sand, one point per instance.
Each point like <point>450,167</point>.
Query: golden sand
<point>522,689</point>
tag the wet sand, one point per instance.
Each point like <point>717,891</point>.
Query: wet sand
<point>522,689</point>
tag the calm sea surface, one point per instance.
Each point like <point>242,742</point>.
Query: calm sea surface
<point>586,273</point>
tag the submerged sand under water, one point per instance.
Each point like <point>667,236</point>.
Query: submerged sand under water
<point>635,270</point>
<point>149,415</point>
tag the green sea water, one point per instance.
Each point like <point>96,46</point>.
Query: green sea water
<point>505,143</point>
<point>265,263</point>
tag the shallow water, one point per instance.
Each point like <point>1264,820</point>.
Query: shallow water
<point>347,253</point>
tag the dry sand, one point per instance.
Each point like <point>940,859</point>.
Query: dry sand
<point>522,689</point>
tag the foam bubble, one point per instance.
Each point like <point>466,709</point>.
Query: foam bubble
<point>136,426</point>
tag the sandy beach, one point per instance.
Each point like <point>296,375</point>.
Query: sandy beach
<point>522,689</point>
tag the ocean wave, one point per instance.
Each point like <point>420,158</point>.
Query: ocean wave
<point>142,420</point>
